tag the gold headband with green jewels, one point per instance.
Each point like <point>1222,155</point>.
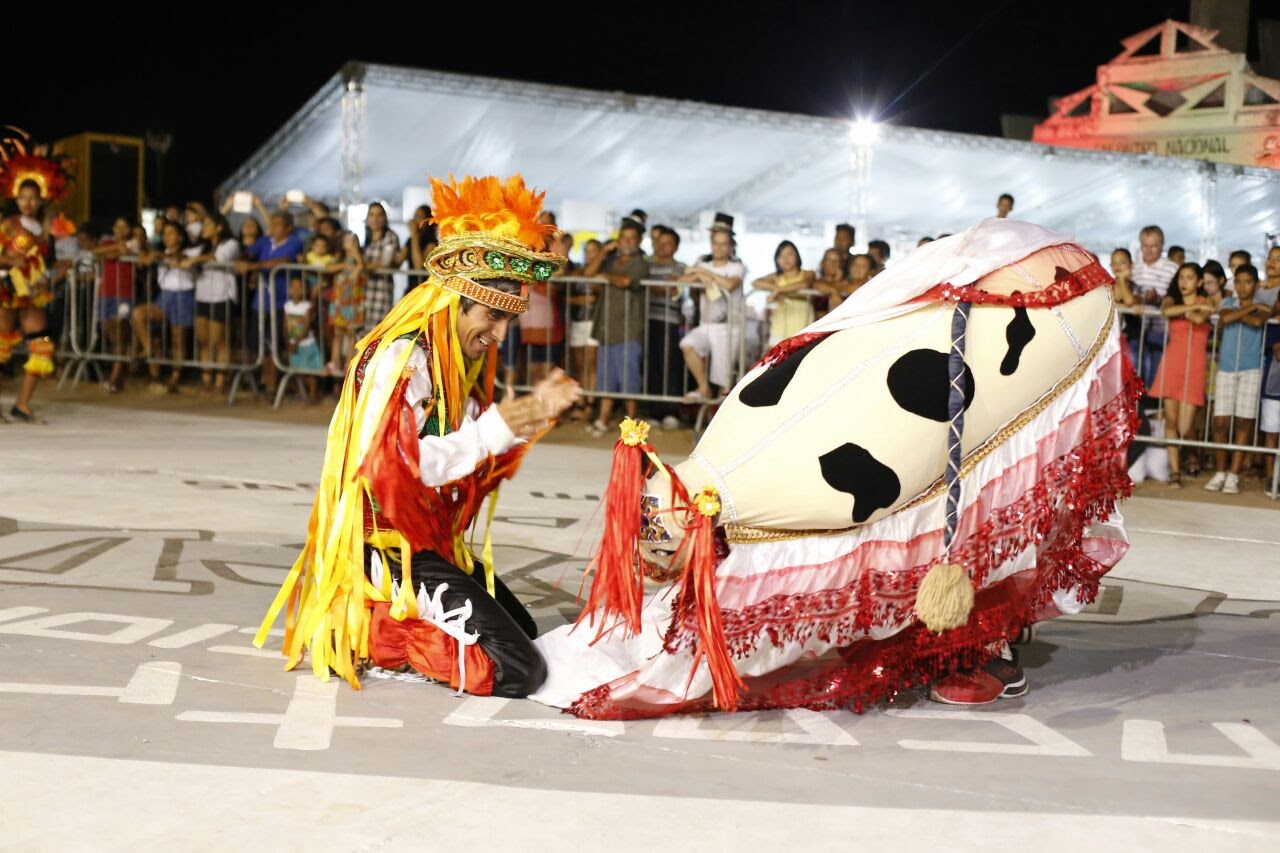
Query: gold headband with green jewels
<point>478,255</point>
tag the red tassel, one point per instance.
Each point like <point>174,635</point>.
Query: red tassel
<point>617,589</point>
<point>699,595</point>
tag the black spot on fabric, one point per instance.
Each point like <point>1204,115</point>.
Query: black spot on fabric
<point>918,383</point>
<point>767,388</point>
<point>1018,334</point>
<point>851,469</point>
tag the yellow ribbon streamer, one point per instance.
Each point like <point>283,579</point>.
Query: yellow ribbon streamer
<point>327,581</point>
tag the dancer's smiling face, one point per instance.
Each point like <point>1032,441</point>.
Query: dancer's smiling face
<point>480,327</point>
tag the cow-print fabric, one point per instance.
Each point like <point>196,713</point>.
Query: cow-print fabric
<point>918,383</point>
<point>853,470</point>
<point>1017,334</point>
<point>767,388</point>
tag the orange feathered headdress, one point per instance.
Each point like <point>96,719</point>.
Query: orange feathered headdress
<point>489,206</point>
<point>18,165</point>
<point>489,229</point>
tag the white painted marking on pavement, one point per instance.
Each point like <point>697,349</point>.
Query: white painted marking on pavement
<point>274,632</point>
<point>1044,740</point>
<point>483,711</point>
<point>821,727</point>
<point>153,683</point>
<point>50,627</point>
<point>191,636</point>
<point>59,689</point>
<point>815,729</point>
<point>11,613</point>
<point>247,651</point>
<point>1144,740</point>
<point>308,721</point>
<point>229,717</point>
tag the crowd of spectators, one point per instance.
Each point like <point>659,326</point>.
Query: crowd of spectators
<point>195,289</point>
<point>1201,332</point>
<point>632,321</point>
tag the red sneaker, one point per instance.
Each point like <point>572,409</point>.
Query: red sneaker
<point>967,688</point>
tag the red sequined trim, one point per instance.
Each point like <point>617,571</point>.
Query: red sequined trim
<point>1072,492</point>
<point>784,348</point>
<point>1067,285</point>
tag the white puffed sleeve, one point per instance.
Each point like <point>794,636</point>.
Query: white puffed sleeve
<point>446,458</point>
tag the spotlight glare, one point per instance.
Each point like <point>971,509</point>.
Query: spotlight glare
<point>864,131</point>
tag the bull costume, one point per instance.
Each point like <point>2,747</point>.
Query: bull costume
<point>414,449</point>
<point>882,502</point>
<point>29,183</point>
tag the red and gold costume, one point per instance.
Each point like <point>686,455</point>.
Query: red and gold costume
<point>28,246</point>
<point>415,447</point>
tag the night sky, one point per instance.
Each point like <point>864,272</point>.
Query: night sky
<point>222,78</point>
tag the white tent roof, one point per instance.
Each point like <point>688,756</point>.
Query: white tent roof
<point>779,172</point>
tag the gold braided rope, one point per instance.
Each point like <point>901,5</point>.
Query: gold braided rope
<point>743,534</point>
<point>510,302</point>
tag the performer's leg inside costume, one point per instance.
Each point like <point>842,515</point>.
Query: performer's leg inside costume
<point>506,629</point>
<point>40,350</point>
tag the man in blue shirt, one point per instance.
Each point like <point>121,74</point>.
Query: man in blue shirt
<point>282,245</point>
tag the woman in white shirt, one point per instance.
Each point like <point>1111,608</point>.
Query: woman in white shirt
<point>174,307</point>
<point>215,300</point>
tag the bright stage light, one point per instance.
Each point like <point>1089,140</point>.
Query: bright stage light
<point>864,131</point>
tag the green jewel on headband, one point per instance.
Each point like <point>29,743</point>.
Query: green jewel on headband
<point>479,255</point>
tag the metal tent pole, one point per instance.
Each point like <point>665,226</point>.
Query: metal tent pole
<point>352,147</point>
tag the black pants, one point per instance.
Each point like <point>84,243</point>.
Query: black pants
<point>505,627</point>
<point>665,368</point>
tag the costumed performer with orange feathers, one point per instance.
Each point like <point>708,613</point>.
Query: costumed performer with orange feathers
<point>414,448</point>
<point>29,183</point>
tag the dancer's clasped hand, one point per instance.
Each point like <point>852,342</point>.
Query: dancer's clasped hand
<point>534,412</point>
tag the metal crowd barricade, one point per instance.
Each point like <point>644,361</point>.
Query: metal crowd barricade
<point>103,329</point>
<point>285,336</point>
<point>1149,343</point>
<point>658,322</point>
<point>75,340</point>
